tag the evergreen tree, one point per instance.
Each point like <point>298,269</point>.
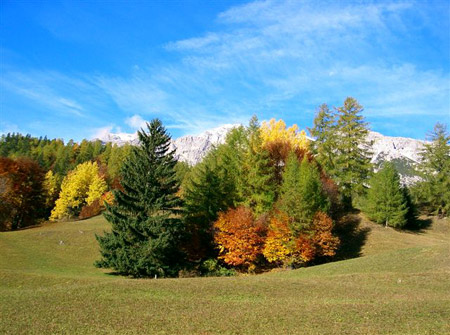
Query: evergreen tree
<point>145,218</point>
<point>324,132</point>
<point>301,193</point>
<point>206,194</point>
<point>259,186</point>
<point>352,160</point>
<point>434,191</point>
<point>385,202</point>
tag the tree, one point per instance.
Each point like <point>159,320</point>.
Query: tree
<point>145,217</point>
<point>239,237</point>
<point>301,193</point>
<point>81,186</point>
<point>22,198</point>
<point>259,186</point>
<point>385,201</point>
<point>324,242</point>
<point>51,187</point>
<point>324,132</point>
<point>352,164</point>
<point>213,186</point>
<point>279,141</point>
<point>285,247</point>
<point>206,195</point>
<point>434,191</point>
<point>279,244</point>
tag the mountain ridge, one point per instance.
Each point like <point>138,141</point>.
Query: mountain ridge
<point>402,151</point>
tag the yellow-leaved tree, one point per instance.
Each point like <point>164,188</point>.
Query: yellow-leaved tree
<point>276,132</point>
<point>80,187</point>
<point>279,141</point>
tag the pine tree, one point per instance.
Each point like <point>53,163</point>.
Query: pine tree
<point>434,192</point>
<point>145,218</point>
<point>385,202</point>
<point>352,161</point>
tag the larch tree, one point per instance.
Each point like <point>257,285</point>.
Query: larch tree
<point>434,191</point>
<point>145,216</point>
<point>302,194</point>
<point>82,186</point>
<point>352,161</point>
<point>324,133</point>
<point>385,202</point>
<point>259,186</point>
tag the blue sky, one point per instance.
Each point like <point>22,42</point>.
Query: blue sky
<point>75,69</point>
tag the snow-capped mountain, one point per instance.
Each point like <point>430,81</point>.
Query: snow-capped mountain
<point>403,152</point>
<point>190,149</point>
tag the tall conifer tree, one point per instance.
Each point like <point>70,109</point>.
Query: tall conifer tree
<point>259,187</point>
<point>324,133</point>
<point>434,191</point>
<point>386,202</point>
<point>301,193</point>
<point>145,218</point>
<point>352,162</point>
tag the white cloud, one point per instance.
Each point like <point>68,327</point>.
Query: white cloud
<point>272,58</point>
<point>102,132</point>
<point>135,122</point>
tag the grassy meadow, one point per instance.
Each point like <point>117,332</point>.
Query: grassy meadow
<point>399,285</point>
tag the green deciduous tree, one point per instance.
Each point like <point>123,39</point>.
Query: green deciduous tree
<point>386,202</point>
<point>145,217</point>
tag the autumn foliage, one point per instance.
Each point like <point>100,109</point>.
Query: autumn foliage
<point>284,246</point>
<point>278,244</point>
<point>239,236</point>
<point>80,187</point>
<point>22,199</point>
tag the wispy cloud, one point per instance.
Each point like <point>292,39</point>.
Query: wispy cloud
<point>48,89</point>
<point>270,58</point>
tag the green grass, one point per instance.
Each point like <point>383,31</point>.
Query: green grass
<point>400,285</point>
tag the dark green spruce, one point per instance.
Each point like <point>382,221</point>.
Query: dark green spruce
<point>145,218</point>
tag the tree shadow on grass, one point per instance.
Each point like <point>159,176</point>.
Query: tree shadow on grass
<point>419,225</point>
<point>352,236</point>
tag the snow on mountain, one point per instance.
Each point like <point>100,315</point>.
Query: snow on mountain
<point>403,152</point>
<point>190,148</point>
<point>390,148</point>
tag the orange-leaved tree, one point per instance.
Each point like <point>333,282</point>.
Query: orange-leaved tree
<point>285,246</point>
<point>239,236</point>
<point>325,243</point>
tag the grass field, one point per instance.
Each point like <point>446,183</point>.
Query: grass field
<point>400,285</point>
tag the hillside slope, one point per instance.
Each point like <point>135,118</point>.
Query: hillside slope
<point>400,286</point>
